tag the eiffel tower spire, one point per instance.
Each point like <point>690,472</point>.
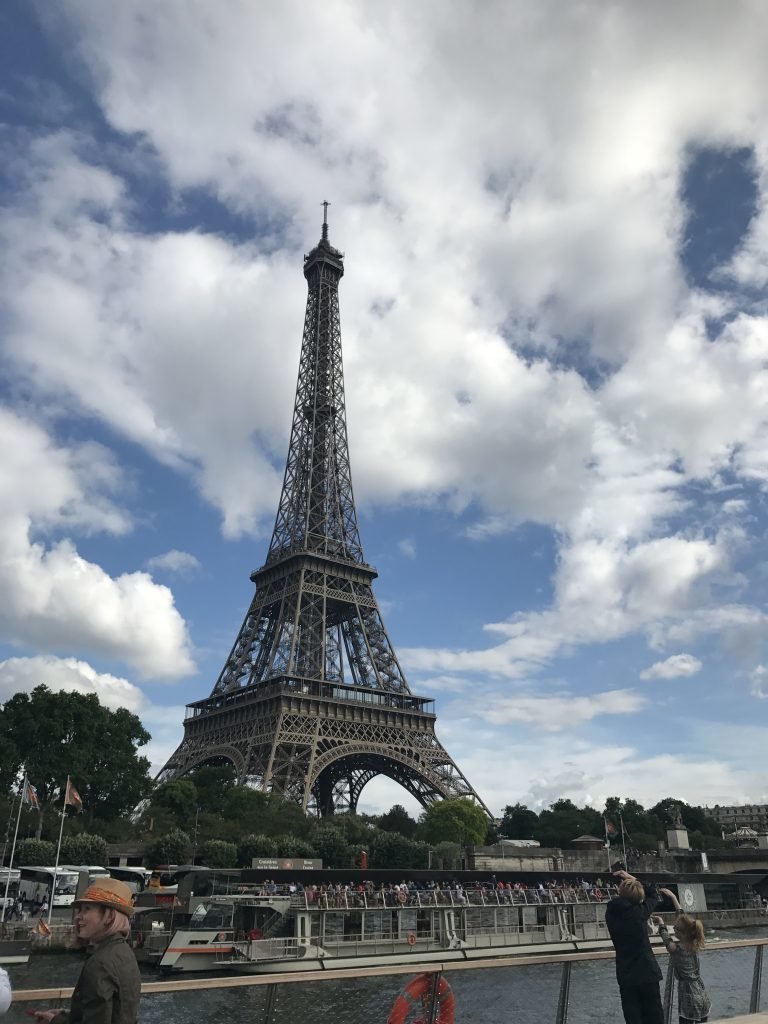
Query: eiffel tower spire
<point>312,702</point>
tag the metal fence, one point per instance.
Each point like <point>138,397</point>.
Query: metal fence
<point>578,988</point>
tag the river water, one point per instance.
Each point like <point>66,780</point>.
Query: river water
<point>523,995</point>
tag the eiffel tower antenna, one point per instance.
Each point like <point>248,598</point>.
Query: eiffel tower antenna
<point>312,702</point>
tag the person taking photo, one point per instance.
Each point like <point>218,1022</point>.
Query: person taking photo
<point>684,946</point>
<point>637,971</point>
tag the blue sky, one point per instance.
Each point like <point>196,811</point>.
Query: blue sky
<point>555,338</point>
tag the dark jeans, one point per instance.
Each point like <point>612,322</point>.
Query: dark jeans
<point>642,1003</point>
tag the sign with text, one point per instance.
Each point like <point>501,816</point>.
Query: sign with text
<point>286,864</point>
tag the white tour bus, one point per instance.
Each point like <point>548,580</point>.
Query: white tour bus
<point>35,884</point>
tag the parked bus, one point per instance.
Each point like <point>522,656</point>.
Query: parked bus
<point>35,884</point>
<point>135,878</point>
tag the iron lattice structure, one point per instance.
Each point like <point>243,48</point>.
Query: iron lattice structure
<point>312,702</point>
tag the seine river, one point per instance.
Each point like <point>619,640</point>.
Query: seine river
<point>523,995</point>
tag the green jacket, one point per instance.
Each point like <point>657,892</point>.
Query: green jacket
<point>108,989</point>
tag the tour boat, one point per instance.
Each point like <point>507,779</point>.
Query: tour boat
<point>309,931</point>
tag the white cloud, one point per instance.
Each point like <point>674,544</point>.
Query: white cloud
<point>22,675</point>
<point>561,711</point>
<point>674,667</point>
<point>759,680</point>
<point>174,561</point>
<point>407,547</point>
<point>53,598</point>
<point>520,340</point>
<point>536,770</point>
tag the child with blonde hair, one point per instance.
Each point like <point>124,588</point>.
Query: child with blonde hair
<point>684,946</point>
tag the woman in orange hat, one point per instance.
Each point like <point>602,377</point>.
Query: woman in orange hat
<point>109,987</point>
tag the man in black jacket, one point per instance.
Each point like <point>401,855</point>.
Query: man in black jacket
<point>637,970</point>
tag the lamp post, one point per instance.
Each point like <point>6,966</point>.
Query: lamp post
<point>501,839</point>
<point>195,833</point>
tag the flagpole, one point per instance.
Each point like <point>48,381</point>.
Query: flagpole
<point>58,849</point>
<point>607,842</point>
<point>623,841</point>
<point>13,847</point>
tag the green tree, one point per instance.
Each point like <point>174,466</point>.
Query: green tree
<point>53,735</point>
<point>397,819</point>
<point>255,845</point>
<point>518,822</point>
<point>253,811</point>
<point>173,848</point>
<point>563,822</point>
<point>394,850</point>
<point>218,854</point>
<point>84,849</point>
<point>180,798</point>
<point>212,782</point>
<point>332,846</point>
<point>35,852</point>
<point>294,846</point>
<point>457,820</point>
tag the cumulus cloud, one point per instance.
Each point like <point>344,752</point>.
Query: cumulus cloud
<point>521,342</point>
<point>22,675</point>
<point>174,561</point>
<point>54,599</point>
<point>674,667</point>
<point>557,712</point>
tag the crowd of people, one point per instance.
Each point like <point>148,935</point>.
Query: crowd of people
<point>418,892</point>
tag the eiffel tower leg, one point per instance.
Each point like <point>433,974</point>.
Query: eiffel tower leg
<point>325,805</point>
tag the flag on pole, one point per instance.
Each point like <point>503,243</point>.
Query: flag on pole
<point>610,828</point>
<point>43,928</point>
<point>72,797</point>
<point>29,795</point>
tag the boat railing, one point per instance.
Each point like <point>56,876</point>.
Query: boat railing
<point>376,986</point>
<point>381,899</point>
<point>287,948</point>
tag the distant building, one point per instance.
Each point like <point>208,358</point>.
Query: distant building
<point>753,816</point>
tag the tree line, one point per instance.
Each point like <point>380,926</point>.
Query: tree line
<point>205,817</point>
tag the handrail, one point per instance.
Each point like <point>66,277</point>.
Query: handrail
<point>294,977</point>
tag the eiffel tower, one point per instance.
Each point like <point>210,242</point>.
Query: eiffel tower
<point>312,702</point>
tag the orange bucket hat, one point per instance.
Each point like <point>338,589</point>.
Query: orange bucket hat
<point>109,892</point>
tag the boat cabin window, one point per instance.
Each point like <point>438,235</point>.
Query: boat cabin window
<point>217,915</point>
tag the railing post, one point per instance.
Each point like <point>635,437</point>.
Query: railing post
<point>757,977</point>
<point>433,1003</point>
<point>668,986</point>
<point>269,1009</point>
<point>565,992</point>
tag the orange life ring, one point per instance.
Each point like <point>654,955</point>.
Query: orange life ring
<point>411,939</point>
<point>417,995</point>
<point>401,897</point>
<point>598,894</point>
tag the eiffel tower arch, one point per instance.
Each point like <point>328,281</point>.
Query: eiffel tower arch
<point>312,702</point>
